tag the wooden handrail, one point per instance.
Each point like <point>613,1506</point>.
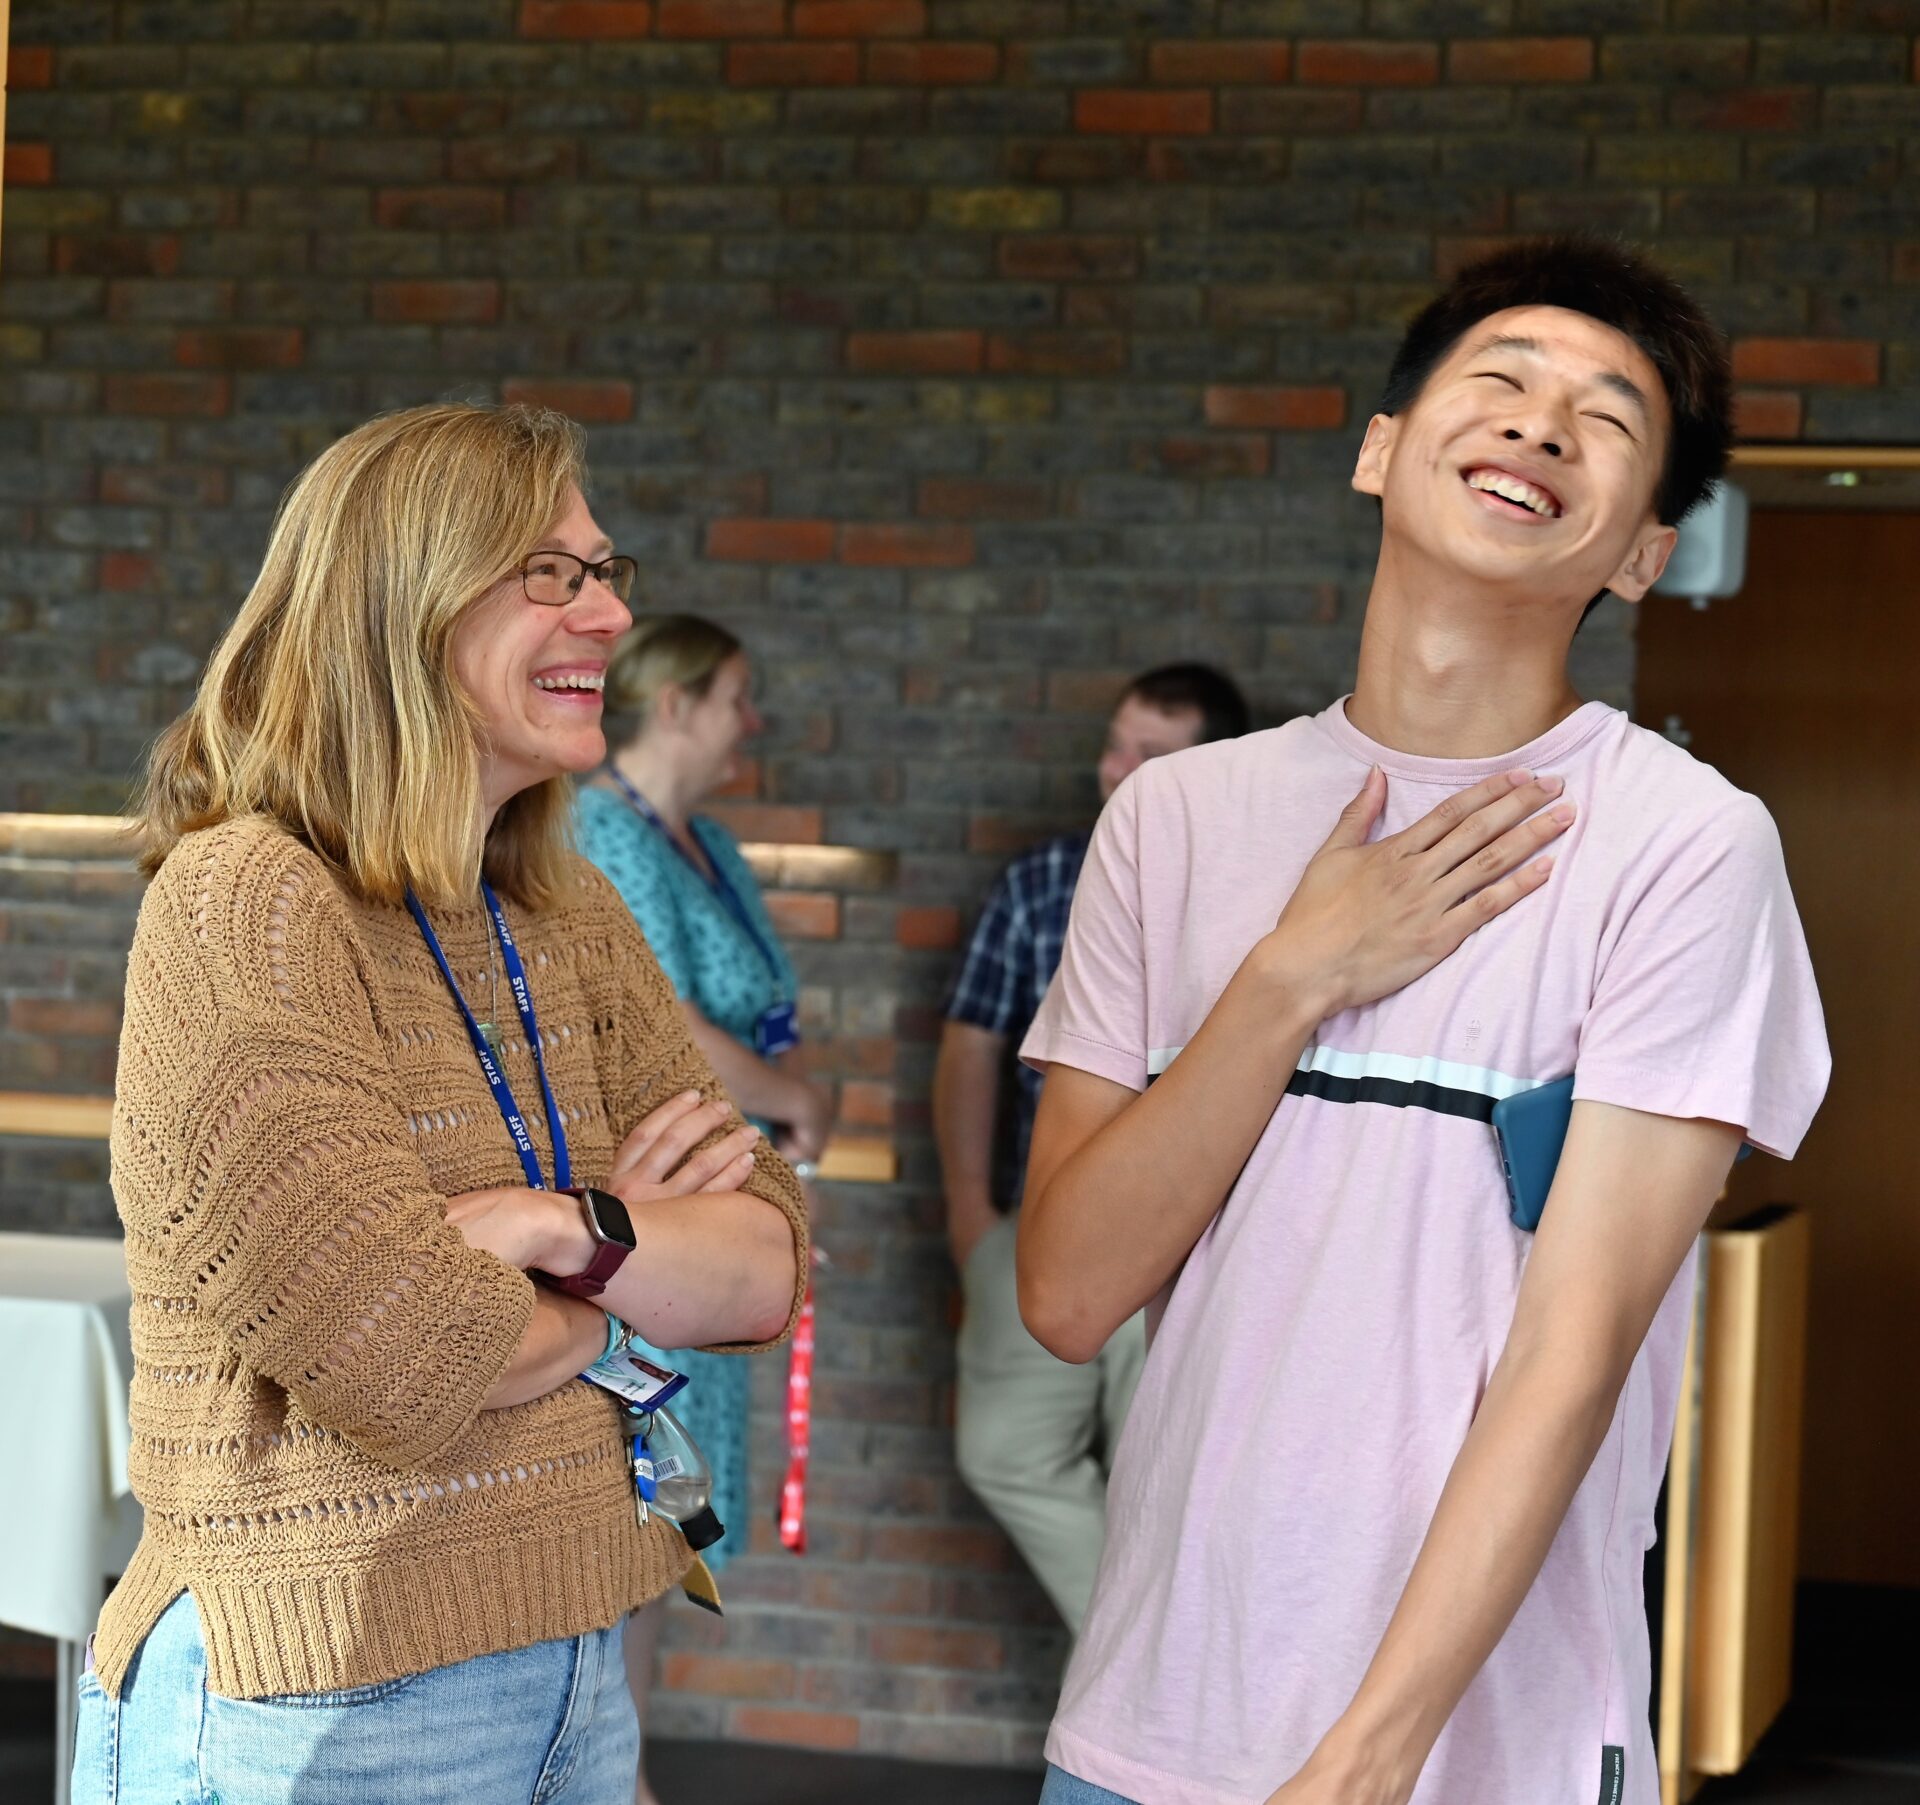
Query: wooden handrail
<point>854,1159</point>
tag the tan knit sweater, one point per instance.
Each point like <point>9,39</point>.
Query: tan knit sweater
<point>297,1097</point>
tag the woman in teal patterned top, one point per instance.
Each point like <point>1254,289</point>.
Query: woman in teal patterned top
<point>679,706</point>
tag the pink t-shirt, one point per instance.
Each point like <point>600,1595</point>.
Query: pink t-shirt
<point>1317,1362</point>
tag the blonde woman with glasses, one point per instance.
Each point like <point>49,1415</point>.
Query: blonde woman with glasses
<point>409,1134</point>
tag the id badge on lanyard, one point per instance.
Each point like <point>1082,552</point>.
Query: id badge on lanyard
<point>777,1031</point>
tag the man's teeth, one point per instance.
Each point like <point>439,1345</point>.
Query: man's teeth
<point>580,681</point>
<point>1511,488</point>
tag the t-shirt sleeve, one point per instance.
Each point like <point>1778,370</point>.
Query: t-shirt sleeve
<point>1094,1017</point>
<point>1705,1004</point>
<point>991,984</point>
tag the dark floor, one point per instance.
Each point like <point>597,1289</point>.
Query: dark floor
<point>746,1774</point>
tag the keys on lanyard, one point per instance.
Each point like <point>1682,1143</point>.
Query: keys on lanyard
<point>490,1066</point>
<point>646,1486</point>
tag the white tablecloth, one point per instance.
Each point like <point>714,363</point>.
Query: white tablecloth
<point>67,1519</point>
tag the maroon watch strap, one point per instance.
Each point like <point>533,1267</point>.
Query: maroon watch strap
<point>607,1259</point>
<point>607,1251</point>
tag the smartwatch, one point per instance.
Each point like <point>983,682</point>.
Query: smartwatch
<point>612,1231</point>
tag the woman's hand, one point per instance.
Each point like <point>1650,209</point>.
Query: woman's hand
<point>805,1125</point>
<point>1367,919</point>
<point>658,1159</point>
<point>525,1228</point>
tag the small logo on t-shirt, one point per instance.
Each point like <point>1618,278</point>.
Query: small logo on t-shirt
<point>1613,1774</point>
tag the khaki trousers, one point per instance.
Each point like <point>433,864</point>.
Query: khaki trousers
<point>1035,1434</point>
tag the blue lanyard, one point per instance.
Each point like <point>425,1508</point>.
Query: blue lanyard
<point>722,888</point>
<point>489,1066</point>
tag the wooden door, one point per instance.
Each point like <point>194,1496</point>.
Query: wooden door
<point>1805,689</point>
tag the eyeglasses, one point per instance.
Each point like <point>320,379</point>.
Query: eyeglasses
<point>553,579</point>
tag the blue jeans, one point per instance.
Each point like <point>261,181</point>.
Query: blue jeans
<point>1063,1788</point>
<point>553,1722</point>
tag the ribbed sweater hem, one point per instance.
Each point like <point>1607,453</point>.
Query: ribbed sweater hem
<point>359,1627</point>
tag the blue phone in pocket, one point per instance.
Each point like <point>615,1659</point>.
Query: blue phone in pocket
<point>1530,1129</point>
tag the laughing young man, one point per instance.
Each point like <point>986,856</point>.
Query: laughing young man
<point>1377,1525</point>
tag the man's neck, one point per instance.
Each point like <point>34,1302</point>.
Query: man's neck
<point>651,771</point>
<point>1458,675</point>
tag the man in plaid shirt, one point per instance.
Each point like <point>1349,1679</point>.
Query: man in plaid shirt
<point>1033,1431</point>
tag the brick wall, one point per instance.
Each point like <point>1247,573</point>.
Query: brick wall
<point>965,356</point>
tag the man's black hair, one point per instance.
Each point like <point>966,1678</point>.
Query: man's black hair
<point>1216,697</point>
<point>1608,283</point>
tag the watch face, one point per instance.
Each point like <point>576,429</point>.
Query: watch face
<point>609,1217</point>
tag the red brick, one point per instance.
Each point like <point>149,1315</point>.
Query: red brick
<point>903,544</point>
<point>927,929</point>
<point>804,915</point>
<point>727,1676</point>
<point>771,541</point>
<point>1046,352</point>
<point>585,18</point>
<point>30,66</point>
<point>780,824</point>
<point>1520,60</point>
<point>931,65</point>
<point>436,303</point>
<point>915,353</point>
<point>864,1104</point>
<point>928,1645</point>
<point>802,1729</point>
<point>1144,111</point>
<point>1225,62</point>
<point>125,572</point>
<point>440,209</point>
<point>68,1017</point>
<point>1069,257</point>
<point>29,165</point>
<point>1287,409</point>
<point>1365,63</point>
<point>1214,454</point>
<point>239,348</point>
<point>116,254</point>
<point>1840,362</point>
<point>179,395</point>
<point>720,19</point>
<point>597,403</point>
<point>793,65</point>
<point>1744,109</point>
<point>982,498</point>
<point>1766,414</point>
<point>859,19</point>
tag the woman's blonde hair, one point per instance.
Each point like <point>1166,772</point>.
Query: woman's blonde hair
<point>331,705</point>
<point>682,651</point>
